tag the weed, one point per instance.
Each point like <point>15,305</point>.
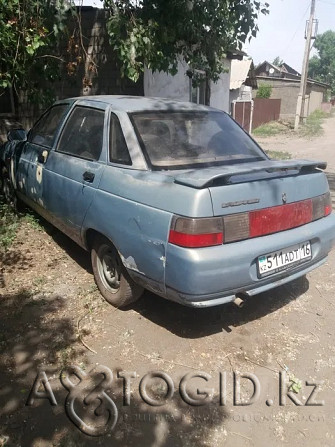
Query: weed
<point>65,356</point>
<point>270,129</point>
<point>313,126</point>
<point>33,220</point>
<point>278,155</point>
<point>9,222</point>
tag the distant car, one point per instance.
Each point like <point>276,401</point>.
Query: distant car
<point>171,197</point>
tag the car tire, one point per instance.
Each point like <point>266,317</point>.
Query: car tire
<point>8,192</point>
<point>110,275</point>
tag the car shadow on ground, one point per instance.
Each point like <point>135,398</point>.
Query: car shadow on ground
<point>189,322</point>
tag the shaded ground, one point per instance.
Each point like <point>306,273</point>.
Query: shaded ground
<point>51,316</point>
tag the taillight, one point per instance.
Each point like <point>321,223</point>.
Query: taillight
<point>207,232</point>
<point>322,206</point>
<point>193,233</point>
<point>327,204</point>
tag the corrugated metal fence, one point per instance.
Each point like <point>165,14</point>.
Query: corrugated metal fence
<point>265,110</point>
<point>251,114</point>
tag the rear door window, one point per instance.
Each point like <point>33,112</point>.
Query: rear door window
<point>83,133</point>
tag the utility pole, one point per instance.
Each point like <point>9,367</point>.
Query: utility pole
<point>300,112</point>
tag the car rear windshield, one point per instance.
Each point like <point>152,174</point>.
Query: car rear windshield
<point>179,140</point>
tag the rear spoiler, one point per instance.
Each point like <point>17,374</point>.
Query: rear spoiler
<point>203,178</point>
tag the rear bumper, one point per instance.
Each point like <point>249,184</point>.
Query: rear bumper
<point>212,276</point>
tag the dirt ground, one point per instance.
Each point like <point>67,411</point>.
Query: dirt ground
<point>52,317</point>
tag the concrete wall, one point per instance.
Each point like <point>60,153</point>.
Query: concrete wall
<point>316,98</point>
<point>178,87</point>
<point>287,90</point>
<point>162,85</point>
<point>220,90</point>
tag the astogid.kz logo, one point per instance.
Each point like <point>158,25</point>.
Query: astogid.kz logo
<point>90,407</point>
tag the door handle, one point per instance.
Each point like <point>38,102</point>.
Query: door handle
<point>88,176</point>
<point>42,157</point>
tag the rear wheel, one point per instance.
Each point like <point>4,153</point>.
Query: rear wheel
<point>111,277</point>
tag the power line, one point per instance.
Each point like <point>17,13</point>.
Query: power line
<point>295,33</point>
<point>327,2</point>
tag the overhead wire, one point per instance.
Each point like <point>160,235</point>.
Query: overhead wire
<point>295,33</point>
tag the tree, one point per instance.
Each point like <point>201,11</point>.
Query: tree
<point>28,38</point>
<point>144,33</point>
<point>277,61</point>
<point>155,33</point>
<point>322,65</point>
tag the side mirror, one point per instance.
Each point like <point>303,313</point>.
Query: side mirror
<point>17,134</point>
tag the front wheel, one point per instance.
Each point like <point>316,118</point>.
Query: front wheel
<point>112,279</point>
<point>8,192</point>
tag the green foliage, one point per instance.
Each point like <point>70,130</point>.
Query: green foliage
<point>313,126</point>
<point>322,66</point>
<point>154,33</point>
<point>277,61</point>
<point>264,91</point>
<point>29,33</point>
<point>8,226</point>
<point>270,129</point>
<point>33,220</point>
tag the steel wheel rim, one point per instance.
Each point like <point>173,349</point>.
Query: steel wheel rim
<point>109,269</point>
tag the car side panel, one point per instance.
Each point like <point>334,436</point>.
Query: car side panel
<point>134,210</point>
<point>156,190</point>
<point>139,233</point>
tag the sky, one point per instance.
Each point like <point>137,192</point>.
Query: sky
<point>281,33</point>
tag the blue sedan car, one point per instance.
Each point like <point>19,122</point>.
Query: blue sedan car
<point>171,197</point>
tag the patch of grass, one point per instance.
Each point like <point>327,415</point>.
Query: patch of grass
<point>33,220</point>
<point>9,223</point>
<point>270,129</point>
<point>313,126</point>
<point>278,155</point>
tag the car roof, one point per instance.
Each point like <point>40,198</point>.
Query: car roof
<point>133,104</point>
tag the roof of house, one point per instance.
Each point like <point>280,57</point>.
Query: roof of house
<point>289,69</point>
<point>259,67</point>
<point>238,72</point>
<point>296,80</point>
<point>282,69</point>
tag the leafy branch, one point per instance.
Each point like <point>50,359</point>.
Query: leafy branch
<point>156,33</point>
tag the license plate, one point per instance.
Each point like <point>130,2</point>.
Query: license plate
<point>284,259</point>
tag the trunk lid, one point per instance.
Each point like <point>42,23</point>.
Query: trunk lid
<point>252,186</point>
